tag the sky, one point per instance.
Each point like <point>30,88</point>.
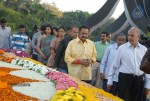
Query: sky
<point>91,6</point>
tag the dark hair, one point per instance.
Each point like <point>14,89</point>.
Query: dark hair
<point>48,25</point>
<point>107,33</point>
<point>69,28</point>
<point>21,26</point>
<point>61,28</point>
<point>84,27</point>
<point>55,28</point>
<point>3,21</point>
<point>35,28</point>
<point>121,34</point>
<point>42,28</point>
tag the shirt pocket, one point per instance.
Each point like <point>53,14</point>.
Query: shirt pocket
<point>6,36</point>
<point>78,52</point>
<point>88,52</point>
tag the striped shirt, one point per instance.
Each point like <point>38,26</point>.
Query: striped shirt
<point>19,42</point>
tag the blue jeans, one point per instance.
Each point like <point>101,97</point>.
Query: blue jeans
<point>62,70</point>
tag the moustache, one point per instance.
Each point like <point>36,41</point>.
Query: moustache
<point>84,37</point>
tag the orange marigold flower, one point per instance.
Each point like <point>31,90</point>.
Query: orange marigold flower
<point>3,85</point>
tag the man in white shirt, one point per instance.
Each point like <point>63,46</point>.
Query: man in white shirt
<point>108,59</point>
<point>128,60</point>
<point>4,34</point>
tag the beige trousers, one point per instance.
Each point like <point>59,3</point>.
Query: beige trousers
<point>96,81</point>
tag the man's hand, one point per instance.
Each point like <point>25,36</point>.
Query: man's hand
<point>44,57</point>
<point>102,76</point>
<point>147,91</point>
<point>109,87</point>
<point>85,62</point>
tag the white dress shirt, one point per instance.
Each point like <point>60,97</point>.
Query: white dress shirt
<point>108,59</point>
<point>112,75</point>
<point>128,58</point>
<point>128,61</point>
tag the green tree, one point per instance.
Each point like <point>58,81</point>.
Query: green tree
<point>73,18</point>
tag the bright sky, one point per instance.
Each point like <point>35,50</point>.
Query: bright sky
<point>90,6</point>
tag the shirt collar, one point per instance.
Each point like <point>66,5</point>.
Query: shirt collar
<point>22,34</point>
<point>106,43</point>
<point>130,45</point>
<point>116,46</point>
<point>78,40</point>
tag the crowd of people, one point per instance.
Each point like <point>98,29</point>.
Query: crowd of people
<point>111,65</point>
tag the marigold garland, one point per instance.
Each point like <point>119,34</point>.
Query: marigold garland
<point>3,73</point>
<point>6,82</point>
<point>3,85</point>
<point>5,69</point>
<point>70,94</point>
<point>2,51</point>
<point>97,94</point>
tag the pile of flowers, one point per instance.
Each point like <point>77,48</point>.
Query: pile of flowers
<point>68,88</point>
<point>7,81</point>
<point>97,94</point>
<point>31,65</point>
<point>16,52</point>
<point>71,94</point>
<point>61,80</point>
<point>64,82</point>
<point>5,57</point>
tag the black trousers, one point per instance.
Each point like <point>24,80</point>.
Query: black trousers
<point>131,87</point>
<point>35,57</point>
<point>114,89</point>
<point>87,81</point>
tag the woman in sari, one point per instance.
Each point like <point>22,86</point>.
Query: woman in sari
<point>44,44</point>
<point>54,45</point>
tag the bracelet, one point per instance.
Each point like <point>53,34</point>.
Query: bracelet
<point>77,61</point>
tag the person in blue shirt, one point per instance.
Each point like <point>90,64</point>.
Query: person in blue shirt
<point>20,39</point>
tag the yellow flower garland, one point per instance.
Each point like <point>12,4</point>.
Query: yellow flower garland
<point>94,94</point>
<point>69,95</point>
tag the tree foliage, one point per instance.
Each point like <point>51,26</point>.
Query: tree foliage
<point>33,12</point>
<point>73,18</point>
<point>28,12</point>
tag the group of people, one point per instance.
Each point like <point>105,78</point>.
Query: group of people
<point>114,65</point>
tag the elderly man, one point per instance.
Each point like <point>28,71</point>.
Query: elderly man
<point>128,60</point>
<point>80,54</point>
